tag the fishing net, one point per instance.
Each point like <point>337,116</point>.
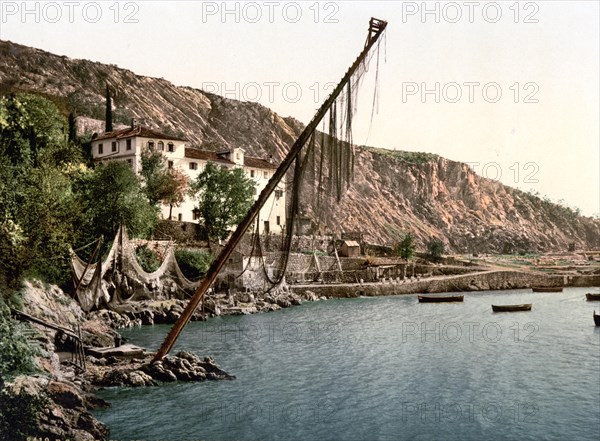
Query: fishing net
<point>120,278</point>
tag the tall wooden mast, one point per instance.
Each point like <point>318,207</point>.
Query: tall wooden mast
<point>376,28</point>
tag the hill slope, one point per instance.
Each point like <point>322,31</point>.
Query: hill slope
<point>393,192</point>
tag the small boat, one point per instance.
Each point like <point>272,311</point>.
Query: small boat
<point>596,318</point>
<point>590,297</point>
<point>511,308</point>
<point>437,299</point>
<point>547,288</point>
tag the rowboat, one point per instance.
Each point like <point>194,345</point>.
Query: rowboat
<point>596,318</point>
<point>590,297</point>
<point>547,288</point>
<point>511,308</point>
<point>437,299</point>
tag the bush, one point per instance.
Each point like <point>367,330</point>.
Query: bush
<point>435,250</point>
<point>193,264</point>
<point>406,247</point>
<point>147,259</point>
<point>16,351</point>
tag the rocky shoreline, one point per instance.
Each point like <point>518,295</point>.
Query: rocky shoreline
<point>66,392</point>
<point>61,393</point>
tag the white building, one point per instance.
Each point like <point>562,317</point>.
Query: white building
<point>129,143</point>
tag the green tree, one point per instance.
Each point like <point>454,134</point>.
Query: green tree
<point>224,196</point>
<point>406,247</point>
<point>37,206</point>
<point>435,250</point>
<point>161,184</point>
<point>72,136</point>
<point>108,117</point>
<point>114,195</point>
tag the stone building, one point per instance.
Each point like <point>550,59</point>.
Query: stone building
<point>128,144</point>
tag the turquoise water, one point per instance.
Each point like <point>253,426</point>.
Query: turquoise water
<point>381,369</point>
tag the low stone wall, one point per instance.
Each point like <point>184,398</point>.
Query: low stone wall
<point>489,280</point>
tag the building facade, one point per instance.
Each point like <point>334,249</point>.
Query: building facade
<point>128,144</point>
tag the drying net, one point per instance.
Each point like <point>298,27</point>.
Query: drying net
<point>321,174</point>
<point>120,278</point>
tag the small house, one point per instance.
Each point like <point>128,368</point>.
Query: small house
<point>350,248</point>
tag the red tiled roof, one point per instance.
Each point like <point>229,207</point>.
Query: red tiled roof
<point>137,131</point>
<point>250,161</point>
<point>206,155</point>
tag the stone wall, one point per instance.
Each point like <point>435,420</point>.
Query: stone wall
<point>488,280</point>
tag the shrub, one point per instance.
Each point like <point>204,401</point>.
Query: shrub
<point>435,250</point>
<point>193,264</point>
<point>406,247</point>
<point>16,351</point>
<point>147,258</point>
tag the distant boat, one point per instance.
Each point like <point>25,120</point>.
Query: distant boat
<point>511,308</point>
<point>547,288</point>
<point>437,299</point>
<point>596,318</point>
<point>590,296</point>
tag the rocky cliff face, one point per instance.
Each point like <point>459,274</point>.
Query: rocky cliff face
<point>393,193</point>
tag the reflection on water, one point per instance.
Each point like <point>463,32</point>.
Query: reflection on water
<point>381,369</point>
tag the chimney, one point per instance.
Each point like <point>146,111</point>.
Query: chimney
<point>133,123</point>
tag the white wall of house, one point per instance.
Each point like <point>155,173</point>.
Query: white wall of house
<point>272,216</point>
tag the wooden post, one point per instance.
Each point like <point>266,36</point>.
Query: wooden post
<point>376,28</point>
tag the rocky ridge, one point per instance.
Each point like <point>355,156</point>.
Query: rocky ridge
<point>393,192</point>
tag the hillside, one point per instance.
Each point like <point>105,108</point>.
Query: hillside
<point>393,192</point>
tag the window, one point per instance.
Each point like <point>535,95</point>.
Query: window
<point>266,175</point>
<point>128,144</point>
<point>171,147</point>
<point>278,220</point>
<point>114,146</point>
<point>161,146</point>
<point>195,214</point>
<point>237,156</point>
<point>251,173</point>
<point>179,217</point>
<point>170,164</point>
<point>193,166</point>
<point>254,192</point>
<point>100,149</point>
<point>151,145</point>
<point>278,194</point>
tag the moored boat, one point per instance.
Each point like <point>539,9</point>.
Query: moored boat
<point>589,296</point>
<point>596,318</point>
<point>438,299</point>
<point>511,308</point>
<point>547,288</point>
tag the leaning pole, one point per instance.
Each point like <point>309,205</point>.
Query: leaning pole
<point>376,28</point>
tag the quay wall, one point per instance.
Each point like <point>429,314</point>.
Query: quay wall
<point>482,281</point>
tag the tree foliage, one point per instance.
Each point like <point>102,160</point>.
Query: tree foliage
<point>406,247</point>
<point>37,206</point>
<point>115,195</point>
<point>108,127</point>
<point>49,200</point>
<point>224,196</point>
<point>161,184</point>
<point>193,264</point>
<point>435,250</point>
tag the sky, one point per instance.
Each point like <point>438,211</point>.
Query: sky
<point>512,88</point>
